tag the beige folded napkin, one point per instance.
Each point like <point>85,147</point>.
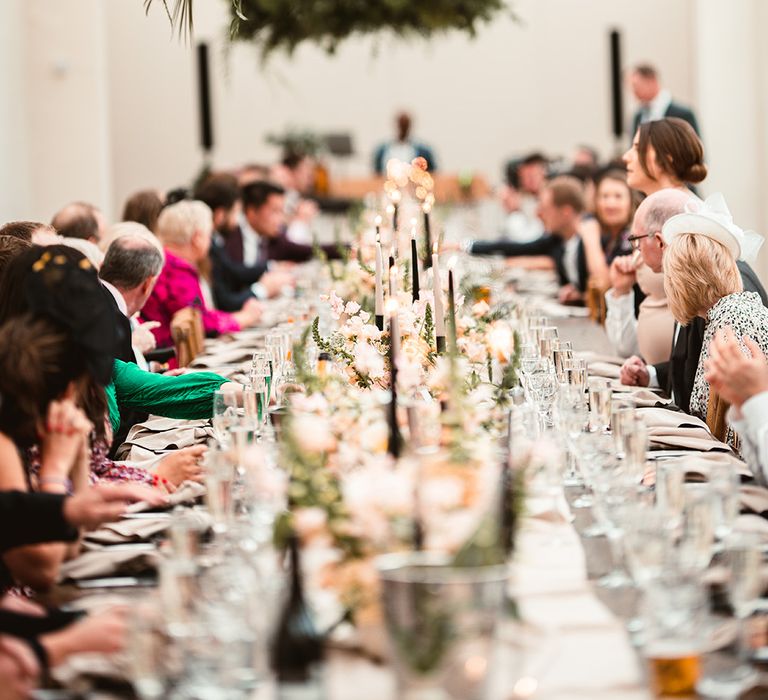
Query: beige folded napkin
<point>754,498</point>
<point>698,465</point>
<point>655,417</point>
<point>187,492</point>
<point>603,369</point>
<point>687,438</point>
<point>642,396</point>
<point>109,562</point>
<point>591,356</point>
<point>132,530</point>
<point>163,434</point>
<point>224,357</point>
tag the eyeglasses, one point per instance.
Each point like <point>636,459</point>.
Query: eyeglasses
<point>633,240</point>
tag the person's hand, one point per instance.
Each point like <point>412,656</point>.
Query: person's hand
<point>568,293</point>
<point>634,372</point>
<point>275,281</point>
<point>15,603</point>
<point>105,503</point>
<point>250,314</point>
<point>182,465</point>
<point>143,338</point>
<point>622,275</point>
<point>103,633</point>
<point>62,438</point>
<point>19,669</point>
<point>731,373</point>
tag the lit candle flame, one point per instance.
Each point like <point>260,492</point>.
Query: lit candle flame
<point>392,306</point>
<point>377,220</point>
<point>427,207</point>
<point>435,248</point>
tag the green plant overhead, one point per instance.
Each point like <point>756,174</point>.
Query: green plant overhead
<point>284,24</point>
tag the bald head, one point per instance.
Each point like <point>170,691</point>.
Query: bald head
<point>79,220</point>
<point>655,209</point>
<point>651,216</point>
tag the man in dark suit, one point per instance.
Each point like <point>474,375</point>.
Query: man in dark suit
<point>260,237</point>
<point>655,102</point>
<point>234,281</point>
<point>561,205</point>
<point>677,375</point>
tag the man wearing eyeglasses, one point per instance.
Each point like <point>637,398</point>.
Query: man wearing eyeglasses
<point>677,375</point>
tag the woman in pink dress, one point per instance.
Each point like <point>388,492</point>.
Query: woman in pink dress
<point>185,231</point>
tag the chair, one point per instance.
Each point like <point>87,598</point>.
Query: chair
<point>595,298</point>
<point>717,410</point>
<point>188,334</point>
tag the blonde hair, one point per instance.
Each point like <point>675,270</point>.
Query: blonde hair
<point>698,272</point>
<point>178,223</point>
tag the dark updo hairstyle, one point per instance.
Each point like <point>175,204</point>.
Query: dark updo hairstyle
<point>144,207</point>
<point>679,151</point>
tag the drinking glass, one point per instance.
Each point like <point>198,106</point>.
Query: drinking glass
<point>634,447</point>
<point>261,366</point>
<point>561,350</point>
<point>441,622</point>
<point>547,337</point>
<point>743,556</point>
<point>529,356</point>
<point>573,419</point>
<point>599,404</point>
<point>225,413</point>
<point>276,349</point>
<point>576,372</point>
<point>219,480</point>
<point>670,488</point>
<point>724,480</point>
<point>256,400</point>
<point>543,385</point>
<point>622,413</point>
<point>675,611</point>
<point>697,537</point>
<point>612,503</point>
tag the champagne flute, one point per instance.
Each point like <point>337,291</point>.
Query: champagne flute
<point>225,413</point>
<point>599,404</point>
<point>634,443</point>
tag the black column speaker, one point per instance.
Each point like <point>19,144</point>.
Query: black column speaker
<point>204,98</point>
<point>617,96</point>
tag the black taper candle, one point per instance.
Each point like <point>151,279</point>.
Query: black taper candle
<point>428,240</point>
<point>380,321</point>
<point>452,312</point>
<point>395,212</point>
<point>415,266</point>
<point>393,444</point>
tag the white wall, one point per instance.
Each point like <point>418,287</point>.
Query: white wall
<point>542,83</point>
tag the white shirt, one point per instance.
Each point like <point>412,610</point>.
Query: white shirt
<point>656,108</point>
<point>752,427</point>
<point>571,259</point>
<point>621,323</point>
<point>521,228</point>
<point>120,301</point>
<point>653,377</point>
<point>250,242</point>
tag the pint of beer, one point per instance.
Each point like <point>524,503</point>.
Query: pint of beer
<point>673,673</point>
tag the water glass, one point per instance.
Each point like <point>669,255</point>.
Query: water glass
<point>622,414</point>
<point>670,488</point>
<point>724,480</point>
<point>441,623</point>
<point>634,447</point>
<point>696,542</point>
<point>219,480</point>
<point>275,347</point>
<point>561,350</point>
<point>225,413</point>
<point>261,368</point>
<point>599,404</point>
<point>547,337</point>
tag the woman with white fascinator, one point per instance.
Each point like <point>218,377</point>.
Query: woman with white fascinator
<point>702,280</point>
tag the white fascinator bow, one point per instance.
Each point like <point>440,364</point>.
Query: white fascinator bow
<point>715,208</point>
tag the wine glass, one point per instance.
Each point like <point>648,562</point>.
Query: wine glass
<point>529,356</point>
<point>261,366</point>
<point>543,384</point>
<point>724,480</point>
<point>695,545</point>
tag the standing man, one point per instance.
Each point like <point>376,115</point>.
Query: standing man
<point>655,101</point>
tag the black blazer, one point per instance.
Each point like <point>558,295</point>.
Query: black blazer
<point>31,518</point>
<point>232,279</point>
<point>674,110</point>
<point>548,244</point>
<point>679,373</point>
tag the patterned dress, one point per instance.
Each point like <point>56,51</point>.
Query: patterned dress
<point>745,314</point>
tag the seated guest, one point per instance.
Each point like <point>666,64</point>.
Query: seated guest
<point>77,301</point>
<point>10,247</point>
<point>296,175</point>
<point>560,207</point>
<point>80,220</point>
<point>250,173</point>
<point>261,237</point>
<point>518,226</point>
<point>130,269</point>
<point>665,154</point>
<point>26,230</point>
<point>185,230</point>
<point>742,381</point>
<point>233,283</point>
<point>144,207</point>
<point>702,281</point>
<point>677,376</point>
<point>402,148</point>
<point>645,330</point>
<point>614,209</point>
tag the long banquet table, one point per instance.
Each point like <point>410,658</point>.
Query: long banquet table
<point>568,645</point>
